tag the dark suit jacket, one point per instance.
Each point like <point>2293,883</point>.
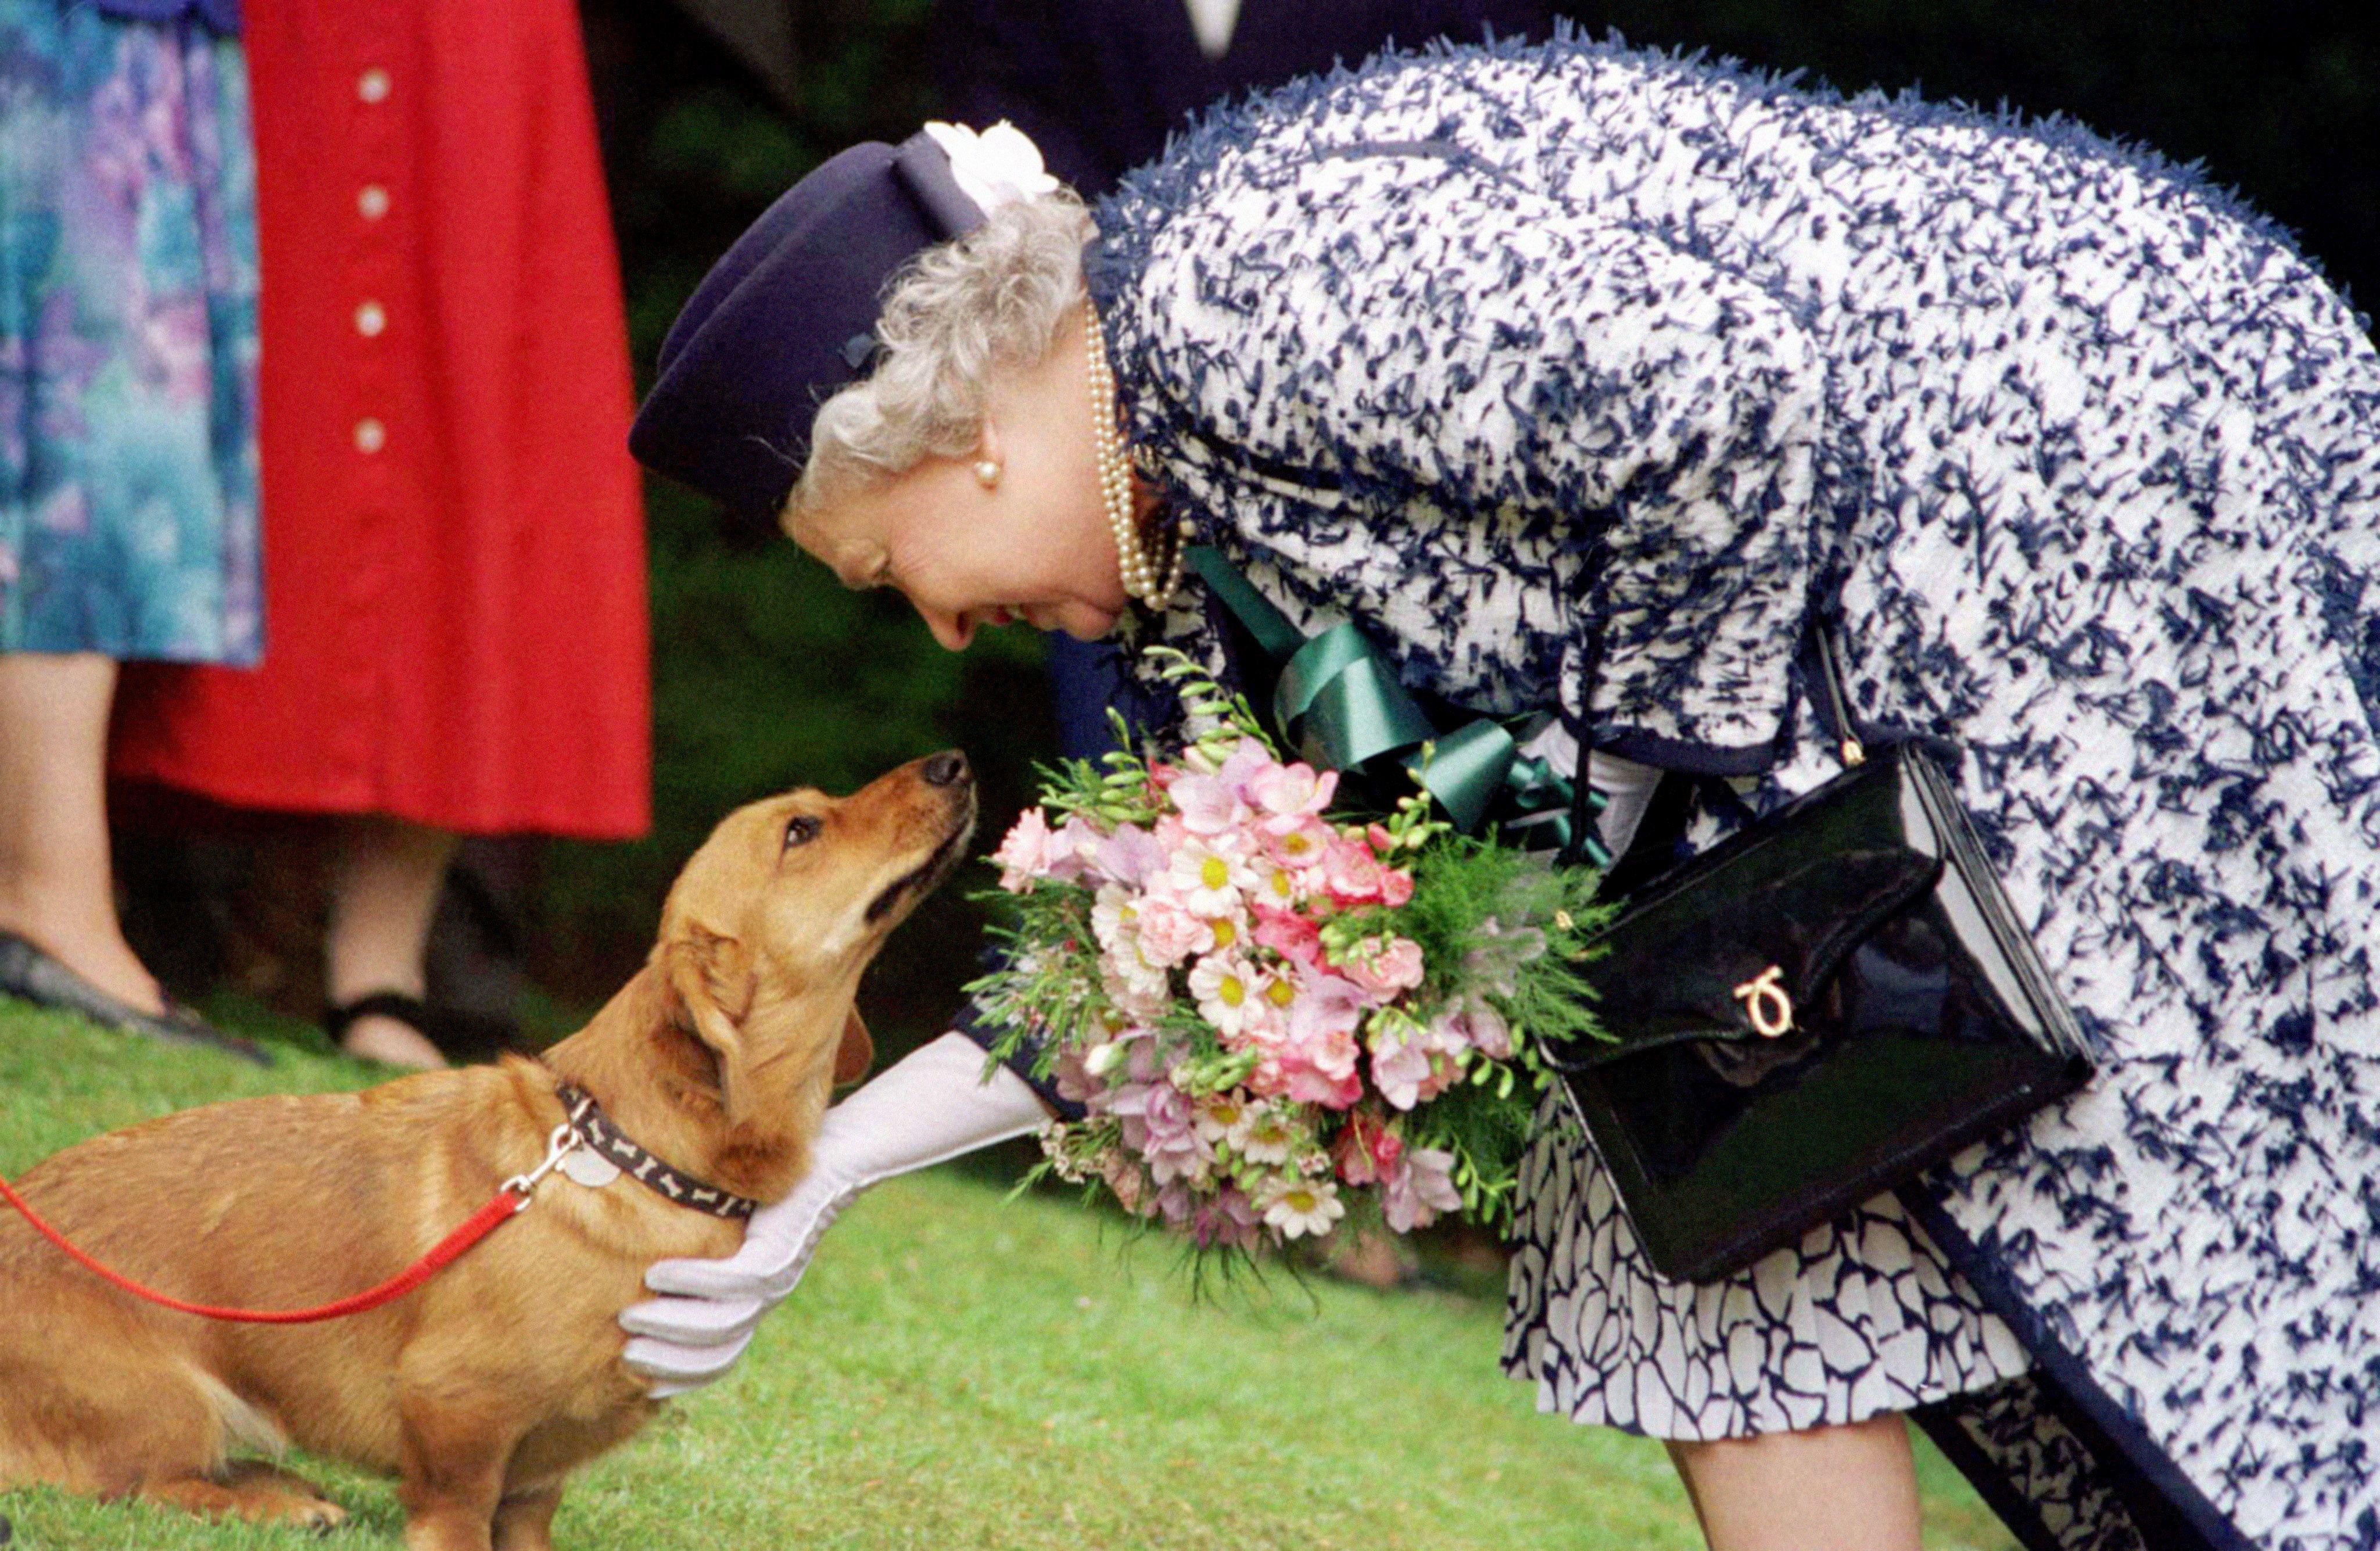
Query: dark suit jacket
<point>1099,84</point>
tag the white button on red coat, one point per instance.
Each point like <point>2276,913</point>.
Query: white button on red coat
<point>371,435</point>
<point>373,85</point>
<point>370,318</point>
<point>371,201</point>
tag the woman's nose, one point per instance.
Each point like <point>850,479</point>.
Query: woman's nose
<point>953,632</point>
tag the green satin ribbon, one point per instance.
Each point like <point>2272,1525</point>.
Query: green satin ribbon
<point>1338,703</point>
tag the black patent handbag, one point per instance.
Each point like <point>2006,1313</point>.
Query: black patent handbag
<point>1811,1013</point>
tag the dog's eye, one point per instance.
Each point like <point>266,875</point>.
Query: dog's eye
<point>801,831</point>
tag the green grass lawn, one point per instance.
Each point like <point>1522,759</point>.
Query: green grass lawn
<point>962,1370</point>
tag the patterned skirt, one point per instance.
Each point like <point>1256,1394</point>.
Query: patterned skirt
<point>1863,1316</point>
<point>128,339</point>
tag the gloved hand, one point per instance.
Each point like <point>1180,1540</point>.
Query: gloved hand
<point>1627,789</point>
<point>927,1107</point>
<point>1627,786</point>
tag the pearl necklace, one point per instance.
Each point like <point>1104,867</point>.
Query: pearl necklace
<point>1134,564</point>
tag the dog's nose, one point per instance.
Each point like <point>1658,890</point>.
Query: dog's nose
<point>946,769</point>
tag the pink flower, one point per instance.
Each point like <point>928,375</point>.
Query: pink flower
<point>1227,1220</point>
<point>1351,872</point>
<point>1318,1059</point>
<point>1291,791</point>
<point>1160,1124</point>
<point>1309,1086</point>
<point>1129,855</point>
<point>1246,764</point>
<point>1396,886</point>
<point>1290,934</point>
<point>1206,803</point>
<point>1179,1161</point>
<point>1333,1052</point>
<point>1366,1148</point>
<point>1418,1188</point>
<point>1490,1034</point>
<point>1400,1068</point>
<point>1069,855</point>
<point>1385,970</point>
<point>1476,1026</point>
<point>1169,934</point>
<point>1145,1000</point>
<point>1308,1083</point>
<point>1444,1073</point>
<point>1024,852</point>
<point>1298,843</point>
<point>1378,836</point>
<point>1325,1002</point>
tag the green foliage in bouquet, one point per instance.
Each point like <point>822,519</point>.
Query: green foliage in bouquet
<point>1510,915</point>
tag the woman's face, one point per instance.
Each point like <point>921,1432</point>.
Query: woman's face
<point>1032,547</point>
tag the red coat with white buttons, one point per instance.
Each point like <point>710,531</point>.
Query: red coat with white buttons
<point>456,626</point>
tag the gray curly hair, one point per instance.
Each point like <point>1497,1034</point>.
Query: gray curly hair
<point>955,314</point>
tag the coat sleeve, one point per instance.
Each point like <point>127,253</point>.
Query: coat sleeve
<point>1393,330</point>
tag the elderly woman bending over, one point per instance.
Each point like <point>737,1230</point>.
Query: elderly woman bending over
<point>1524,359</point>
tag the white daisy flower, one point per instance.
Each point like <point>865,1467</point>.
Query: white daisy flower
<point>1209,880</point>
<point>1226,990</point>
<point>1298,1206</point>
<point>1263,1135</point>
<point>1221,1114</point>
<point>1115,919</point>
<point>1277,886</point>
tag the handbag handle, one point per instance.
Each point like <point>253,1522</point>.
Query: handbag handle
<point>1582,814</point>
<point>1830,673</point>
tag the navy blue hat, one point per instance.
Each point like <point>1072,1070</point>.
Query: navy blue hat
<point>788,316</point>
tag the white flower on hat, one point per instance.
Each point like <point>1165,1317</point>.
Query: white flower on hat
<point>996,167</point>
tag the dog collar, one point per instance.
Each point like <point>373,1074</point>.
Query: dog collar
<point>595,1131</point>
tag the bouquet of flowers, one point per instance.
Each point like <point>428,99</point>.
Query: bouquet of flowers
<point>1271,1011</point>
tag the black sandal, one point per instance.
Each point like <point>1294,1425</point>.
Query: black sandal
<point>462,1037</point>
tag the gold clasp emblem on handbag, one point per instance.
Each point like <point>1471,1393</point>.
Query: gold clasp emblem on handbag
<point>1765,1004</point>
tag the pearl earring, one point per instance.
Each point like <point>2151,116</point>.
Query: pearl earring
<point>986,473</point>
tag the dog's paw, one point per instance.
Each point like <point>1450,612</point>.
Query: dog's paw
<point>322,1516</point>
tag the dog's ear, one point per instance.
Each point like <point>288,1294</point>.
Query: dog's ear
<point>709,977</point>
<point>856,1053</point>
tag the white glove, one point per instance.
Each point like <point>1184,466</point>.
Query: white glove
<point>926,1108</point>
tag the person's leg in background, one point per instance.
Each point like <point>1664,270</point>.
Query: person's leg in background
<point>57,876</point>
<point>1848,1489</point>
<point>385,885</point>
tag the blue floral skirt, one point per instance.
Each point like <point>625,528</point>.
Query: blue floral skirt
<point>128,339</point>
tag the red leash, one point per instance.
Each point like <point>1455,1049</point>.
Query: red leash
<point>511,1199</point>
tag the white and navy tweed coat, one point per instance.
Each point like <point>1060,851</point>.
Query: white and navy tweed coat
<point>2084,460</point>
